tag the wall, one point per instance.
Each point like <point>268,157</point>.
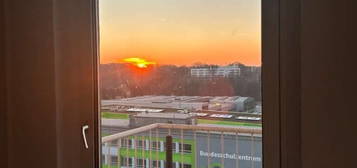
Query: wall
<point>328,84</point>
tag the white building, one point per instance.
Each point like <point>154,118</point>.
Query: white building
<point>223,71</point>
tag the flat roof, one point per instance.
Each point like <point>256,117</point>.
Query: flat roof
<point>164,115</point>
<point>172,102</point>
<point>144,110</point>
<point>115,122</point>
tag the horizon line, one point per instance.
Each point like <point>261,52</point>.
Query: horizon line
<point>186,65</point>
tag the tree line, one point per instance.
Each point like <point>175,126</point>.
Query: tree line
<point>123,80</point>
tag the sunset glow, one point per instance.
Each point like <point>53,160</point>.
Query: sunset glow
<point>181,32</point>
<point>139,62</point>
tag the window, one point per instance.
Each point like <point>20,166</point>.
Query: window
<point>156,145</point>
<point>188,69</point>
<point>141,163</point>
<point>126,143</point>
<point>157,164</point>
<point>126,161</point>
<point>179,165</point>
<point>114,160</point>
<point>186,148</point>
<point>141,144</point>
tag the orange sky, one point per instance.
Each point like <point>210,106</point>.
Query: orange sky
<point>181,32</point>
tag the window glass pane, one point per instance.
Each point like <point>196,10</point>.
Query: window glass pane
<point>190,69</point>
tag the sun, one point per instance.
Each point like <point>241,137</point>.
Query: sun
<point>139,62</point>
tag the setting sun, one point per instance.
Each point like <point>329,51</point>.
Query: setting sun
<point>139,62</point>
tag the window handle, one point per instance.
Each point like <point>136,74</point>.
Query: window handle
<point>84,128</point>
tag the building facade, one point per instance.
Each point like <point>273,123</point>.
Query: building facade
<point>190,150</point>
<point>220,71</point>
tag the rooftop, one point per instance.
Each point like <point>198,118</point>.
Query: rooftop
<point>171,101</point>
<point>164,115</point>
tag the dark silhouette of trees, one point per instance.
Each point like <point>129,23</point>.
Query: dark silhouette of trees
<point>122,80</point>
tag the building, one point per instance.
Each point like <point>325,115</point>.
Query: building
<point>142,119</point>
<point>160,102</point>
<point>191,149</point>
<point>245,104</point>
<point>234,103</point>
<point>190,103</point>
<point>220,71</point>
